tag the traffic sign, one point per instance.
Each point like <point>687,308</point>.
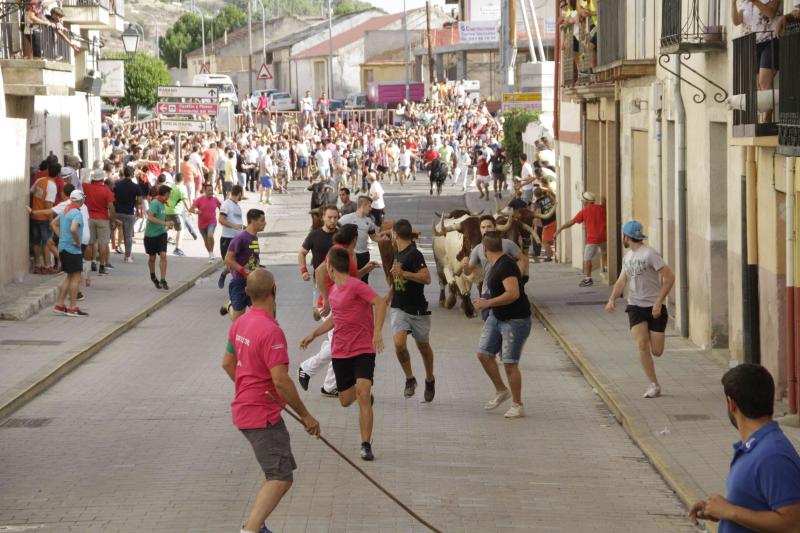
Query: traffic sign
<point>523,100</point>
<point>204,69</point>
<point>186,108</point>
<point>176,91</point>
<point>185,126</point>
<point>264,73</point>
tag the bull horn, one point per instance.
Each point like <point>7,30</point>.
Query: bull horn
<point>436,231</point>
<point>437,214</point>
<point>504,227</point>
<point>479,213</point>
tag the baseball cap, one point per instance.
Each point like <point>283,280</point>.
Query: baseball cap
<point>589,196</point>
<point>634,230</point>
<point>76,195</point>
<point>97,175</point>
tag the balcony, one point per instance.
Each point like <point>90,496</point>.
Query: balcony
<point>789,94</point>
<point>88,14</point>
<point>612,58</point>
<point>753,109</point>
<point>36,65</point>
<point>117,11</point>
<point>696,32</point>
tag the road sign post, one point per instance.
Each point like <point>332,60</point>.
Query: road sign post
<point>177,91</point>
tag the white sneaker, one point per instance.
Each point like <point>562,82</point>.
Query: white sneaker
<point>653,391</point>
<point>516,411</point>
<point>210,258</point>
<point>499,398</point>
<point>128,260</point>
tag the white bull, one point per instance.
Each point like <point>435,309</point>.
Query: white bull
<point>453,239</point>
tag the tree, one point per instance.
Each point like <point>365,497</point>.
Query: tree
<point>346,7</point>
<point>143,74</point>
<point>514,124</point>
<point>185,35</point>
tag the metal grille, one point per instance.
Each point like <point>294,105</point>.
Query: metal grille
<point>40,43</point>
<point>789,93</point>
<point>690,417</point>
<point>28,342</point>
<point>695,31</point>
<point>610,31</point>
<point>25,423</point>
<point>745,70</point>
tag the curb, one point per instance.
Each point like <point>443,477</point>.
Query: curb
<point>70,362</point>
<point>678,479</point>
<point>34,301</point>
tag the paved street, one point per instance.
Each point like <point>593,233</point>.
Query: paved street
<point>139,438</point>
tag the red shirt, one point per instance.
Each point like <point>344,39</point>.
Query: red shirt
<point>98,198</point>
<point>328,280</point>
<point>353,324</point>
<point>207,210</point>
<point>210,158</point>
<point>431,155</point>
<point>483,166</point>
<point>259,345</point>
<point>594,218</point>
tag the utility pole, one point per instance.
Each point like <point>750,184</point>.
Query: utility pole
<point>250,46</point>
<point>405,48</point>
<point>431,70</point>
<point>507,42</point>
<point>330,50</point>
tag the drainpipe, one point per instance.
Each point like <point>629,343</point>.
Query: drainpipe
<point>657,232</point>
<point>791,311</point>
<point>680,183</point>
<point>750,302</point>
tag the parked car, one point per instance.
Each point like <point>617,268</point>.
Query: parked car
<point>224,84</point>
<point>335,105</point>
<point>257,94</point>
<point>281,102</point>
<point>356,101</point>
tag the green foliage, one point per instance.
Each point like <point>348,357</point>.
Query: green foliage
<point>514,124</point>
<point>143,74</point>
<point>345,7</point>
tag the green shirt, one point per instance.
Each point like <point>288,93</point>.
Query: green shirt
<point>160,212</point>
<point>175,200</point>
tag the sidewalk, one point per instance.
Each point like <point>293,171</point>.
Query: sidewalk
<point>686,433</point>
<point>37,351</point>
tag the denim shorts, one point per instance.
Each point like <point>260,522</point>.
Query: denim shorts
<point>504,336</point>
<point>239,299</point>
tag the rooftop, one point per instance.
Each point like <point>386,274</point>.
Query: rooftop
<point>291,40</point>
<point>350,36</point>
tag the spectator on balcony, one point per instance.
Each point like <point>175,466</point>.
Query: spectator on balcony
<point>761,18</point>
<point>32,31</point>
<point>588,11</point>
<point>790,21</point>
<point>55,16</point>
<point>569,25</point>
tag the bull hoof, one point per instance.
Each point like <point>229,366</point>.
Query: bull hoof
<point>451,301</point>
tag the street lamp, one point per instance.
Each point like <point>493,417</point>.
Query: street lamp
<point>130,39</point>
<point>194,8</point>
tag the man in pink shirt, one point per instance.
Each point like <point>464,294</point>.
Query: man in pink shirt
<point>206,208</point>
<point>357,338</point>
<point>257,359</point>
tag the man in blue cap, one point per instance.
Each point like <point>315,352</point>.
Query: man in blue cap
<point>651,280</point>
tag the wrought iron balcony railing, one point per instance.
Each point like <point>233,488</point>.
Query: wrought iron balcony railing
<point>789,93</point>
<point>611,19</point>
<point>753,109</point>
<point>84,3</point>
<point>697,31</point>
<point>37,42</point>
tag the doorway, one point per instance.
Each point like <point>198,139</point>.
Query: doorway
<point>718,233</point>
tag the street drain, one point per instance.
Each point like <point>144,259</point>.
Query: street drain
<point>25,423</point>
<point>690,417</point>
<point>28,342</point>
<point>593,302</point>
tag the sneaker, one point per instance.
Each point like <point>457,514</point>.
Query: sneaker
<point>128,260</point>
<point>430,390</point>
<point>60,309</point>
<point>303,378</point>
<point>225,309</point>
<point>264,529</point>
<point>330,394</point>
<point>499,398</point>
<point>221,280</point>
<point>170,240</point>
<point>515,411</point>
<point>94,266</point>
<point>178,252</point>
<point>102,271</point>
<point>586,282</point>
<point>81,297</point>
<point>76,312</point>
<point>653,391</point>
<point>117,250</point>
<point>155,281</point>
<point>411,387</point>
<point>109,266</point>
<point>163,285</point>
<point>366,451</point>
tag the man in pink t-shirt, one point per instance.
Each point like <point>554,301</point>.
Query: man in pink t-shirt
<point>357,338</point>
<point>206,208</point>
<point>257,359</point>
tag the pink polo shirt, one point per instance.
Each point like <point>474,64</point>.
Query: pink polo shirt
<point>259,345</point>
<point>351,305</point>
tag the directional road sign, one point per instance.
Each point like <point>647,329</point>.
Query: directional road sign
<point>186,108</point>
<point>185,126</point>
<point>175,91</point>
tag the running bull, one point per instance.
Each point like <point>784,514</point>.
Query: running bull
<point>454,237</point>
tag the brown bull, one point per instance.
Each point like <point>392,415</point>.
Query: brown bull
<point>453,240</point>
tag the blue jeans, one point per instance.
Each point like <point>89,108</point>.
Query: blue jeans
<point>506,335</point>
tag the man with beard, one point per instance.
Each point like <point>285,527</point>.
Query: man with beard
<point>764,477</point>
<point>651,280</point>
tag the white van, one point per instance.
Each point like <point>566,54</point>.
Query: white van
<point>227,91</point>
<point>356,101</point>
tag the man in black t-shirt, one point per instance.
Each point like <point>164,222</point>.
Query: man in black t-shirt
<point>409,308</point>
<point>507,327</point>
<point>318,242</point>
<point>127,200</point>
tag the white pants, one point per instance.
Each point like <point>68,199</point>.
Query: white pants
<point>461,171</point>
<point>315,363</point>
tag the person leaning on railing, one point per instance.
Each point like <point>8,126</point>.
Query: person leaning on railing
<point>55,17</point>
<point>587,10</point>
<point>762,19</point>
<point>32,31</point>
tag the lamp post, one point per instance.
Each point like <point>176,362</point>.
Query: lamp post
<point>405,48</point>
<point>330,50</point>
<point>263,36</point>
<point>130,38</point>
<point>193,8</point>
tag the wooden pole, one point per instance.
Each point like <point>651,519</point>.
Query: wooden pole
<point>431,70</point>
